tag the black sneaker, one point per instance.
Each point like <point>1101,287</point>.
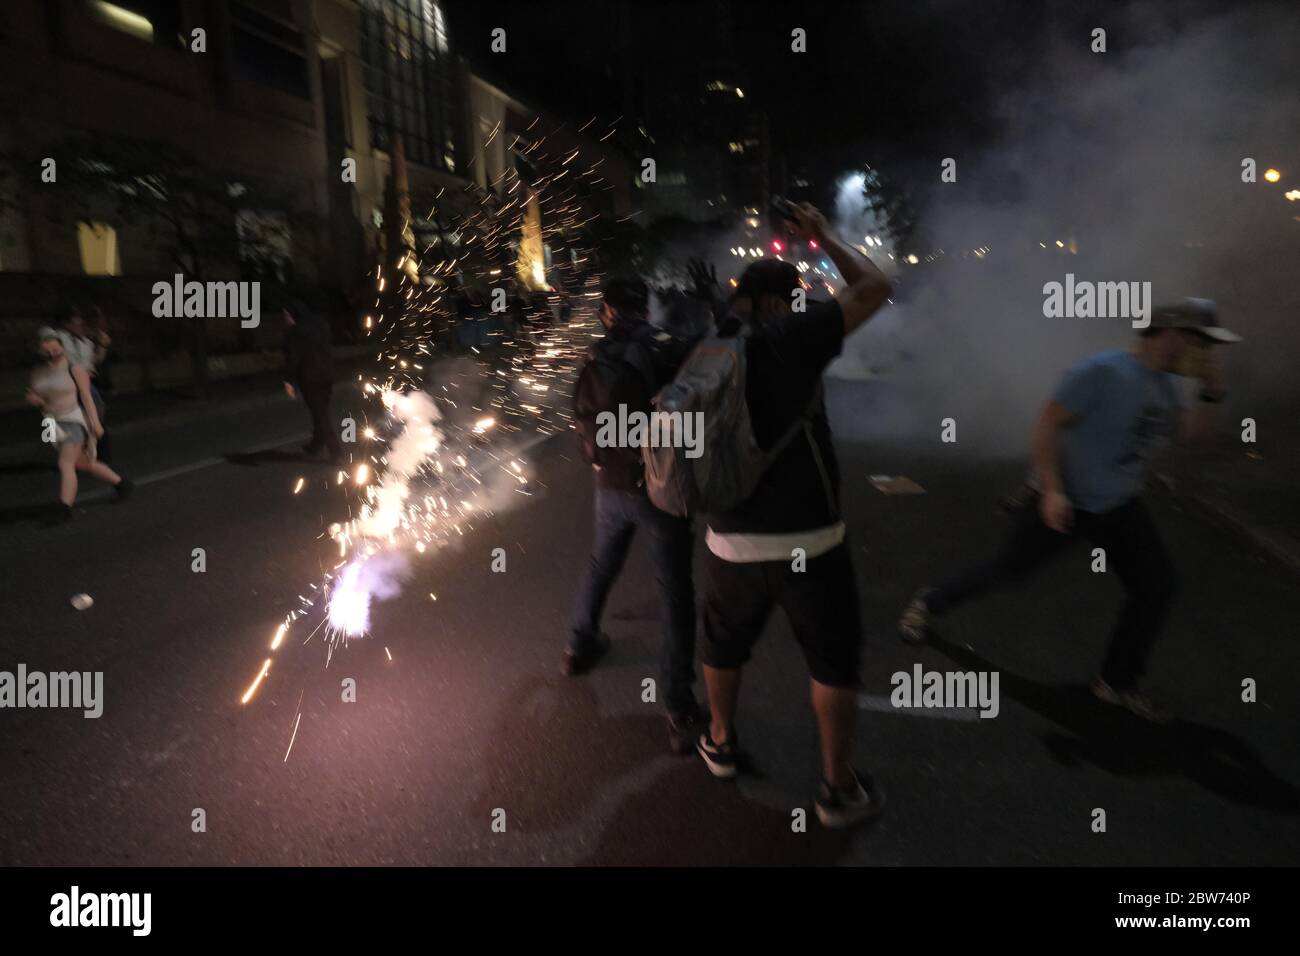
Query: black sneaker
<point>124,489</point>
<point>844,807</point>
<point>59,514</point>
<point>579,662</point>
<point>719,758</point>
<point>914,624</point>
<point>681,725</point>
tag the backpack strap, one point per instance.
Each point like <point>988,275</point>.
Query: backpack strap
<point>804,424</point>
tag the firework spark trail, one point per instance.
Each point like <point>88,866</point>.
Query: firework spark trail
<point>440,446</point>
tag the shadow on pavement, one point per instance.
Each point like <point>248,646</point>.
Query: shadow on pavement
<point>27,467</point>
<point>578,775</point>
<point>15,514</point>
<point>1116,741</point>
<point>254,458</point>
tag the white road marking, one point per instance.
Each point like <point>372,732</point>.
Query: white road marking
<point>885,705</point>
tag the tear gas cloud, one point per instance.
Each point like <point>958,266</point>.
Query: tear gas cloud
<point>1133,159</point>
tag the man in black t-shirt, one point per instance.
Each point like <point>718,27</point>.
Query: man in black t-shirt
<point>785,545</point>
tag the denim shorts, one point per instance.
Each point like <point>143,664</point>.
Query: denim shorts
<point>73,434</point>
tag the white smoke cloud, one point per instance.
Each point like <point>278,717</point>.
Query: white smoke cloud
<point>1135,159</point>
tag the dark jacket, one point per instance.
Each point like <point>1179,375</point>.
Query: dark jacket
<point>626,367</point>
<point>308,347</point>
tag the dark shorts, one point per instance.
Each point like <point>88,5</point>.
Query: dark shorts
<point>820,602</point>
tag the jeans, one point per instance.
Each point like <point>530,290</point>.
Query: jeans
<point>1133,550</point>
<point>316,396</point>
<point>618,515</point>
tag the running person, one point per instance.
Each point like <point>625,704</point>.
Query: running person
<point>1090,452</point>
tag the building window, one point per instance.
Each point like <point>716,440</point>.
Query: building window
<point>269,51</point>
<point>98,243</point>
<point>409,78</point>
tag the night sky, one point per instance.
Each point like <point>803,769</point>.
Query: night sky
<point>886,83</point>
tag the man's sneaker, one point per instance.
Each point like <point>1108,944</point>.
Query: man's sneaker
<point>124,489</point>
<point>681,726</point>
<point>862,800</point>
<point>58,514</point>
<point>1133,700</point>
<point>579,662</point>
<point>914,624</point>
<point>720,758</point>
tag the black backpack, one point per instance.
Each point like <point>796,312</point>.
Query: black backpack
<point>624,369</point>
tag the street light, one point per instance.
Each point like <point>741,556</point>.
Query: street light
<point>1272,175</point>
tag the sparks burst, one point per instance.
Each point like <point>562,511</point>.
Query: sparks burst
<point>449,427</point>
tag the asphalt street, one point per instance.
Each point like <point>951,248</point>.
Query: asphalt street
<point>461,710</point>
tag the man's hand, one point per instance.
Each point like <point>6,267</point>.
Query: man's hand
<point>97,430</point>
<point>289,390</point>
<point>809,220</point>
<point>33,398</point>
<point>1056,511</point>
<point>704,278</point>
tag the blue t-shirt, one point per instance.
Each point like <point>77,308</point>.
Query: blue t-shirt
<point>1124,412</point>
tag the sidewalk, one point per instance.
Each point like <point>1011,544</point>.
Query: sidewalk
<point>142,412</point>
<point>1250,491</point>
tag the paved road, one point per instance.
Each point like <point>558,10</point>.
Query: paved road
<point>470,714</point>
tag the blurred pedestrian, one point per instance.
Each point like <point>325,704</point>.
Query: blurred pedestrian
<point>1090,452</point>
<point>86,348</point>
<point>61,389</point>
<point>786,544</point>
<point>309,373</point>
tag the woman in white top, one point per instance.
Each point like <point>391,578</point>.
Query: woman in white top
<point>62,391</point>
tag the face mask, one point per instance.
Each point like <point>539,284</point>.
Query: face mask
<point>1191,363</point>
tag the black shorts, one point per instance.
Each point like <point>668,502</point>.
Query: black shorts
<point>820,602</point>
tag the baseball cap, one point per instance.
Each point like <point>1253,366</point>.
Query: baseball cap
<point>1195,315</point>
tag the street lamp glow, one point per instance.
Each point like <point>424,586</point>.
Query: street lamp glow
<point>1272,175</point>
<point>1292,194</point>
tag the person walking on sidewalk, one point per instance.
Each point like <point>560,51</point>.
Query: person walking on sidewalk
<point>62,391</point>
<point>1090,451</point>
<point>309,372</point>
